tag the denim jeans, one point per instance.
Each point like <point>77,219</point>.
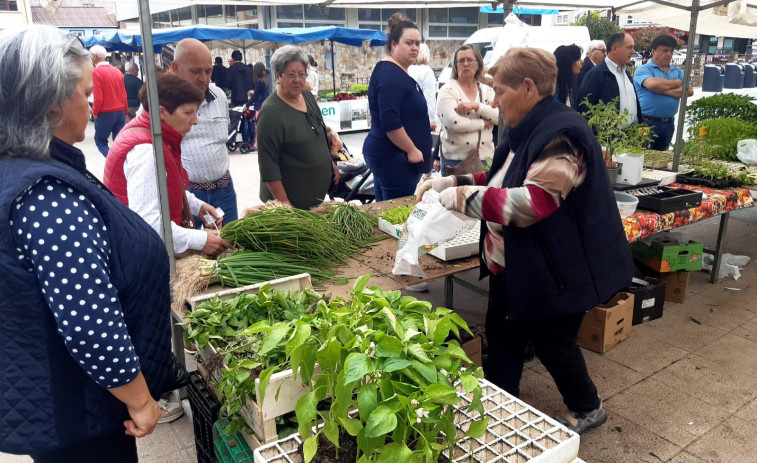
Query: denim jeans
<point>106,125</point>
<point>393,175</point>
<point>248,131</point>
<point>225,198</point>
<point>664,132</point>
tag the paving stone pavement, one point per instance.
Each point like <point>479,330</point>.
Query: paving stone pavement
<point>680,389</point>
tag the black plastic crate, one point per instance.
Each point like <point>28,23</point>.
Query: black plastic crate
<point>670,200</point>
<point>690,179</point>
<point>205,407</point>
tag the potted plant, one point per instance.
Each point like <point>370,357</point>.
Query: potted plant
<point>614,133</point>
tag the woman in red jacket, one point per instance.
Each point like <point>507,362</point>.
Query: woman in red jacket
<point>130,167</point>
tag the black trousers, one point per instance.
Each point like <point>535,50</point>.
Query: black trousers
<point>115,447</point>
<point>554,341</point>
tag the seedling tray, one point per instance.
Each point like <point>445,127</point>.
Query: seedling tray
<point>391,229</point>
<point>670,200</point>
<point>517,432</point>
<point>708,182</point>
<point>463,245</point>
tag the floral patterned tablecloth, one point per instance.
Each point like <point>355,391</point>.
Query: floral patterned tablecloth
<point>645,223</point>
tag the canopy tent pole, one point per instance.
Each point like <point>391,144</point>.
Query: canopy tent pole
<point>686,83</point>
<point>333,69</point>
<point>157,135</point>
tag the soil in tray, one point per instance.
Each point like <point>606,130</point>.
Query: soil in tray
<point>347,450</point>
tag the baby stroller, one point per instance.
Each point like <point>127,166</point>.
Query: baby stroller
<point>355,179</point>
<point>236,115</point>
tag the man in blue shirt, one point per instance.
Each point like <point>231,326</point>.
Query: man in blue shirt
<point>659,85</point>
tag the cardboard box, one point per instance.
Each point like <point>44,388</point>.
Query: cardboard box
<point>676,283</point>
<point>472,349</point>
<point>608,324</point>
<point>665,254</point>
<point>649,298</point>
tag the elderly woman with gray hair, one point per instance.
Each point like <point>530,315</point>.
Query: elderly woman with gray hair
<point>293,152</point>
<point>85,338</point>
<point>553,242</point>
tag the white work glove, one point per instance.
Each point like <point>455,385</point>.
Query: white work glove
<point>447,198</point>
<point>437,184</point>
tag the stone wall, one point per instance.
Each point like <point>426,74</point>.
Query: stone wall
<point>353,64</point>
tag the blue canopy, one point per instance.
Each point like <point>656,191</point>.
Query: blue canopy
<point>123,41</point>
<point>354,37</point>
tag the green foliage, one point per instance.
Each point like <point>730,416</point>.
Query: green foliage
<point>612,132</point>
<point>600,28</point>
<point>716,171</point>
<point>722,136</point>
<point>644,36</point>
<point>359,89</point>
<point>397,215</point>
<point>720,106</point>
<point>386,356</point>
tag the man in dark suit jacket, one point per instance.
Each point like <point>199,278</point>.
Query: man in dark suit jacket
<point>219,74</point>
<point>610,79</point>
<point>594,55</point>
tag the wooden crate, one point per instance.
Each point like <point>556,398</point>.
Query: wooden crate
<point>262,419</point>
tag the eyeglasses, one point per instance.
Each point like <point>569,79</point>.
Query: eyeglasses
<point>602,50</point>
<point>466,61</point>
<point>295,75</point>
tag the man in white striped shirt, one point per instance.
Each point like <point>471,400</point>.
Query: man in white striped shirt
<point>203,150</point>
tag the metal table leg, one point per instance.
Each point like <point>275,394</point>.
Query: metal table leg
<point>448,291</point>
<point>718,251</point>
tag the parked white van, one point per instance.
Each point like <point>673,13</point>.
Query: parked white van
<point>493,42</point>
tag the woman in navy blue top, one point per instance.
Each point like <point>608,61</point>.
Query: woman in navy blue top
<point>398,148</point>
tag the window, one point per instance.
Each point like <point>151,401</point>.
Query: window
<point>562,19</point>
<point>161,20</point>
<point>182,17</point>
<point>214,15</point>
<point>376,18</point>
<point>453,23</point>
<point>8,6</point>
<point>629,20</point>
<point>308,15</point>
<point>632,20</point>
<point>77,32</point>
<point>230,13</point>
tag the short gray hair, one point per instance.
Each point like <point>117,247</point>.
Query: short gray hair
<point>286,55</point>
<point>129,65</point>
<point>99,51</point>
<point>40,67</point>
<point>594,45</point>
<point>424,55</point>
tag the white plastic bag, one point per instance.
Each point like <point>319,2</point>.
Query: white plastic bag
<point>729,264</point>
<point>747,151</point>
<point>429,225</point>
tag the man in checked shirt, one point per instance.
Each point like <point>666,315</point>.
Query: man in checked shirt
<point>203,150</point>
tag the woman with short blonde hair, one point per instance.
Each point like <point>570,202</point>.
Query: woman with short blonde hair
<point>554,245</point>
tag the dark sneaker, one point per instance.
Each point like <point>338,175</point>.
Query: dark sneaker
<point>580,422</point>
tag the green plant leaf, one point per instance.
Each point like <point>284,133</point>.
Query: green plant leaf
<point>477,428</point>
<point>394,364</point>
<point>340,281</point>
<point>369,444</point>
<point>357,365</point>
<point>469,382</point>
<point>441,394</point>
<point>331,431</point>
<point>367,398</point>
<point>309,447</point>
<point>242,375</point>
<point>329,354</point>
<point>273,337</point>
<point>351,425</point>
<point>360,283</point>
<point>427,370</point>
<point>395,452</point>
<point>306,412</point>
<point>264,377</point>
<point>389,346</point>
<point>417,351</point>
<point>380,422</point>
<point>302,332</point>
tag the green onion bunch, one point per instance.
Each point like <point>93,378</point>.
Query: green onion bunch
<point>354,223</point>
<point>249,267</point>
<point>291,231</point>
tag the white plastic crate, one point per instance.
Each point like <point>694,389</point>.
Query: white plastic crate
<point>392,230</point>
<point>517,433</point>
<point>464,245</point>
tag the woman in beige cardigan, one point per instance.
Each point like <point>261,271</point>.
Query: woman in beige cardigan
<point>464,111</point>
